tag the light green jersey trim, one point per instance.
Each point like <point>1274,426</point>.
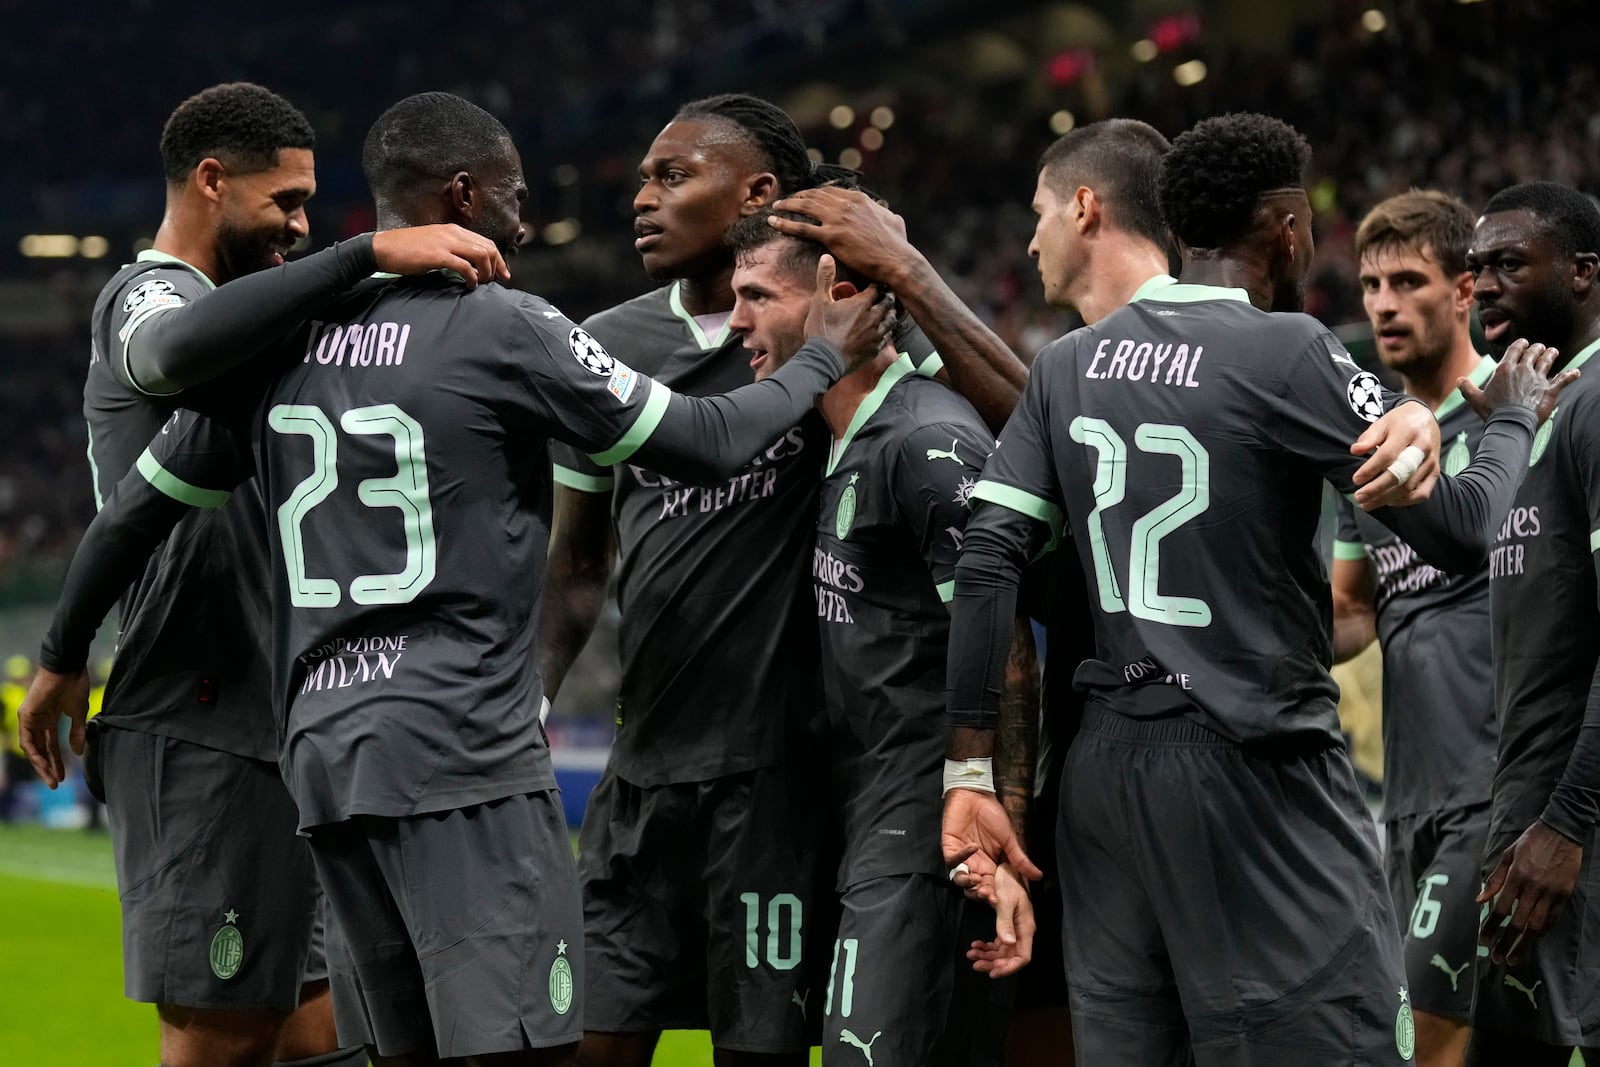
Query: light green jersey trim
<point>94,469</point>
<point>1594,541</point>
<point>1349,550</point>
<point>1583,356</point>
<point>150,255</point>
<point>869,407</point>
<point>584,483</point>
<point>178,489</point>
<point>946,590</point>
<point>1152,287</point>
<point>675,301</point>
<point>1188,293</point>
<point>655,407</point>
<point>930,367</point>
<point>1479,375</point>
<point>1021,501</point>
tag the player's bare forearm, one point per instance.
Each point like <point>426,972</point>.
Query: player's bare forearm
<point>966,742</point>
<point>578,570</point>
<point>1017,740</point>
<point>980,366</point>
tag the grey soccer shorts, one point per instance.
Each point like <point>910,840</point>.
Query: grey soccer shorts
<point>219,896</point>
<point>458,931</point>
<point>699,904</point>
<point>1225,904</point>
<point>1431,862</point>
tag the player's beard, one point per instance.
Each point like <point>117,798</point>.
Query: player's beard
<point>1546,318</point>
<point>244,252</point>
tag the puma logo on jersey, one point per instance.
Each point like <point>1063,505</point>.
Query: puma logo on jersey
<point>1513,983</point>
<point>939,453</point>
<point>1439,962</point>
<point>796,998</point>
<point>847,1038</point>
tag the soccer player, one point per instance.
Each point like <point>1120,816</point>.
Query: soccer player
<point>218,893</point>
<point>1438,700</point>
<point>402,653</point>
<point>1535,258</point>
<point>1220,871</point>
<point>906,453</point>
<point>717,637</point>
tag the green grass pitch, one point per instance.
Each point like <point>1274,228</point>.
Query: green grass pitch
<point>61,1002</point>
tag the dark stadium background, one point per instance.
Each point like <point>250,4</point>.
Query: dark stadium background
<point>944,104</point>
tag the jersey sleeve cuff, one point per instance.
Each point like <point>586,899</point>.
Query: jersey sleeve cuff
<point>583,483</point>
<point>655,408</point>
<point>1349,550</point>
<point>164,481</point>
<point>946,590</point>
<point>931,366</point>
<point>1023,502</point>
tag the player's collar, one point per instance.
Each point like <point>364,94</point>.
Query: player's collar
<point>675,301</point>
<point>152,255</point>
<point>1583,355</point>
<point>1176,292</point>
<point>869,406</point>
<point>1153,286</point>
<point>1479,375</point>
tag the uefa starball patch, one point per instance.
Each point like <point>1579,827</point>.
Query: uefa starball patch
<point>1365,394</point>
<point>591,354</point>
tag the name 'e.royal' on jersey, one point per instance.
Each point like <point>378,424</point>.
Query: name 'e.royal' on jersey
<point>1543,603</point>
<point>894,508</point>
<point>403,447</point>
<point>1438,674</point>
<point>191,652</point>
<point>1185,438</point>
<point>716,642</point>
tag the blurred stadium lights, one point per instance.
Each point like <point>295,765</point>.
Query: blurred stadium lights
<point>842,117</point>
<point>48,245</point>
<point>850,157</point>
<point>93,247</point>
<point>1190,73</point>
<point>1174,31</point>
<point>872,139</point>
<point>882,117</point>
<point>1144,50</point>
<point>1067,67</point>
<point>561,231</point>
<point>566,174</point>
<point>1374,21</point>
<point>1061,122</point>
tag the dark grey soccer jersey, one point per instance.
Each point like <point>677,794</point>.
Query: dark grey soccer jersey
<point>894,507</point>
<point>1546,626</point>
<point>191,657</point>
<point>717,643</point>
<point>1438,674</point>
<point>407,477</point>
<point>1186,435</point>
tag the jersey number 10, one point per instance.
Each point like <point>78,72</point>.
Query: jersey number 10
<point>1144,599</point>
<point>406,491</point>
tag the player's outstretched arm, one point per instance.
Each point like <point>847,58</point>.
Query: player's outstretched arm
<point>709,439</point>
<point>872,239</point>
<point>191,343</point>
<point>1017,740</point>
<point>1012,947</point>
<point>577,569</point>
<point>1454,529</point>
<point>113,553</point>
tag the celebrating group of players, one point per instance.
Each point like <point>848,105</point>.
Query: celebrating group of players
<point>363,510</point>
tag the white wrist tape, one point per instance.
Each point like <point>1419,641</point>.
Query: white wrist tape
<point>1406,463</point>
<point>969,774</point>
<point>544,709</point>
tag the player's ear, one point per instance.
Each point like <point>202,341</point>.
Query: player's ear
<point>843,290</point>
<point>761,191</point>
<point>1086,209</point>
<point>463,196</point>
<point>1463,294</point>
<point>1584,268</point>
<point>208,177</point>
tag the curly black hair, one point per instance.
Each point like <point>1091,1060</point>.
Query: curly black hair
<point>1570,218</point>
<point>240,123</point>
<point>427,137</point>
<point>1218,171</point>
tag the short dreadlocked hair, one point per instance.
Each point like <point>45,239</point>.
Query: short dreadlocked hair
<point>1218,171</point>
<point>429,137</point>
<point>1569,218</point>
<point>1120,159</point>
<point>766,128</point>
<point>239,123</point>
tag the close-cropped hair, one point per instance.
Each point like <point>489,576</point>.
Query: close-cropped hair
<point>1569,217</point>
<point>1432,224</point>
<point>798,256</point>
<point>239,123</point>
<point>1217,172</point>
<point>1120,159</point>
<point>429,137</point>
